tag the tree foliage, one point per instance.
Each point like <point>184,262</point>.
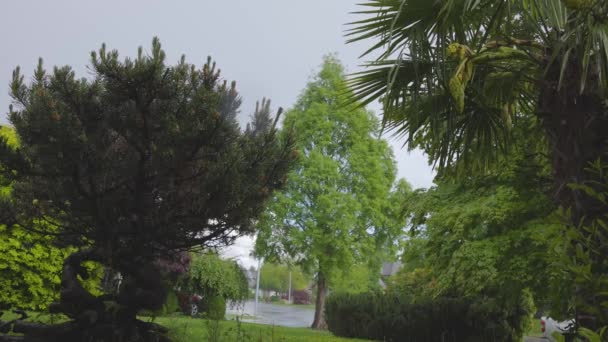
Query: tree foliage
<point>581,267</point>
<point>333,212</point>
<point>454,76</point>
<point>30,266</point>
<point>458,77</point>
<point>359,279</point>
<point>275,277</point>
<point>9,138</point>
<point>210,276</point>
<point>142,135</point>
<point>486,235</point>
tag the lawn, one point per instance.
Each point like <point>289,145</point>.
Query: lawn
<point>186,329</point>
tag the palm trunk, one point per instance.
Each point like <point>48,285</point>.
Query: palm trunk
<point>576,125</point>
<point>319,320</point>
<point>577,129</point>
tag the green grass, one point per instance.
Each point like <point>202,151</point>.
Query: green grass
<point>187,329</point>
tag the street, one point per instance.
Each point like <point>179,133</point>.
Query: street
<point>283,315</point>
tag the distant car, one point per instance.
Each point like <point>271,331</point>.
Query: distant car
<point>548,326</point>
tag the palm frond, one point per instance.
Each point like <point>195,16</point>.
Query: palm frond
<point>392,22</point>
<point>512,44</point>
<point>390,79</point>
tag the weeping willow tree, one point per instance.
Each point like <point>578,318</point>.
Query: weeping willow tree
<point>455,76</point>
<point>140,162</point>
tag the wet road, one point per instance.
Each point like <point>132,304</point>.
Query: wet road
<point>283,315</point>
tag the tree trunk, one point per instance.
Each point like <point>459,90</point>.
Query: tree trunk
<point>576,125</point>
<point>319,320</point>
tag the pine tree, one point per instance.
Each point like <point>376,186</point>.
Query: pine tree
<point>260,120</point>
<point>139,163</point>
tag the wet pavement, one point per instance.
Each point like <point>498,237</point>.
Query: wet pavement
<point>283,315</point>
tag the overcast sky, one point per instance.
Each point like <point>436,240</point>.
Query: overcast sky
<point>270,47</point>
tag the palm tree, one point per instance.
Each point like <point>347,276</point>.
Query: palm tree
<point>455,76</point>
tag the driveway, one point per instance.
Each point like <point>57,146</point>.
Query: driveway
<point>283,315</point>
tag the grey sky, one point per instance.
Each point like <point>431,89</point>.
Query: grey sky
<point>270,47</point>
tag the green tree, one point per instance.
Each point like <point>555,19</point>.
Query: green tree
<point>486,235</point>
<point>275,277</point>
<point>131,166</point>
<point>333,212</point>
<point>457,76</point>
<point>359,279</point>
<point>210,276</point>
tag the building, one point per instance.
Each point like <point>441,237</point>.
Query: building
<point>388,269</point>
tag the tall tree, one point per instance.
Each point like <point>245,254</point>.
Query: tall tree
<point>136,164</point>
<point>456,76</point>
<point>333,211</point>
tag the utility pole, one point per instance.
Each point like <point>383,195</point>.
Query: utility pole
<point>289,293</point>
<point>257,288</point>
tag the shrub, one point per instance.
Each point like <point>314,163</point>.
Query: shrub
<point>579,279</point>
<point>216,307</point>
<point>389,317</point>
<point>171,303</point>
<point>210,275</point>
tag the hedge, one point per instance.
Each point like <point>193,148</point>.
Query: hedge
<point>388,317</point>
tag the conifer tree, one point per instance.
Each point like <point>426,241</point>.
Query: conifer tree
<point>137,164</point>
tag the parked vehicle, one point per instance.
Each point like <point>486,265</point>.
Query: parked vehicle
<point>301,297</point>
<point>549,326</point>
